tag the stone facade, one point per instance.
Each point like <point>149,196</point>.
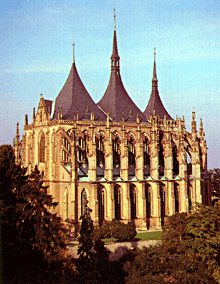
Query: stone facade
<point>128,170</point>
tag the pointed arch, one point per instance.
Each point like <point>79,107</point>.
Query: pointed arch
<point>161,155</point>
<point>133,201</point>
<point>148,197</point>
<point>42,147</point>
<point>101,204</point>
<point>176,197</point>
<point>189,193</point>
<point>162,203</point>
<point>116,154</point>
<point>146,154</point>
<point>175,159</point>
<point>117,198</point>
<point>100,153</point>
<point>131,155</point>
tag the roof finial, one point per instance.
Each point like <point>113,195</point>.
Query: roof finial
<point>114,20</point>
<point>154,69</point>
<point>73,51</point>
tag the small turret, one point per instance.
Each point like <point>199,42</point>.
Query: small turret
<point>26,120</point>
<point>193,124</point>
<point>201,131</point>
<point>17,137</point>
<point>34,116</point>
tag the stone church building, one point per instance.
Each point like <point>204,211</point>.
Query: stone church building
<point>128,164</point>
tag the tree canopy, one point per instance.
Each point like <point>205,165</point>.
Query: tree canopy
<point>30,233</point>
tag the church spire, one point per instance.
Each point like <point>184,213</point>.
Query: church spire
<point>115,57</point>
<point>154,79</point>
<point>155,104</point>
<point>73,51</point>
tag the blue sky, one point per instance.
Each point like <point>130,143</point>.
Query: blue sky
<point>36,55</point>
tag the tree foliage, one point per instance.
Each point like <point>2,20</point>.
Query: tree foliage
<point>30,234</point>
<point>189,253</point>
<point>117,230</point>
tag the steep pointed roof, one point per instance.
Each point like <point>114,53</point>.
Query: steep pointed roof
<point>155,102</point>
<point>75,100</point>
<point>116,100</point>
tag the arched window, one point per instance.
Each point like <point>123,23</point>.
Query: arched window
<point>82,150</point>
<point>116,156</point>
<point>148,204</point>
<point>131,157</point>
<point>133,201</point>
<point>42,149</point>
<point>84,201</point>
<point>189,192</point>
<point>100,156</point>
<point>176,197</point>
<point>162,202</point>
<point>189,162</point>
<point>131,152</point>
<point>146,158</point>
<point>101,205</point>
<point>161,157</point>
<point>65,150</point>
<point>117,196</point>
<point>175,160</point>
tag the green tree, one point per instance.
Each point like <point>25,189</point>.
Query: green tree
<point>30,234</point>
<point>86,234</point>
<point>189,253</point>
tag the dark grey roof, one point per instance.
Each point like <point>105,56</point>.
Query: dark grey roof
<point>155,103</point>
<point>116,100</point>
<point>49,105</point>
<point>74,98</point>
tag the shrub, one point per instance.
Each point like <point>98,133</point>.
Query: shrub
<point>120,231</point>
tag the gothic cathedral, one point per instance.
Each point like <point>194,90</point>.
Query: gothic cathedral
<point>128,164</point>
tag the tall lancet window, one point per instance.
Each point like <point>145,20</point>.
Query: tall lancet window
<point>101,204</point>
<point>100,157</point>
<point>82,150</point>
<point>133,201</point>
<point>175,161</point>
<point>131,157</point>
<point>116,156</point>
<point>162,202</point>
<point>117,196</point>
<point>82,159</point>
<point>148,204</point>
<point>146,157</point>
<point>161,157</point>
<point>42,149</point>
<point>176,197</point>
<point>65,150</point>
